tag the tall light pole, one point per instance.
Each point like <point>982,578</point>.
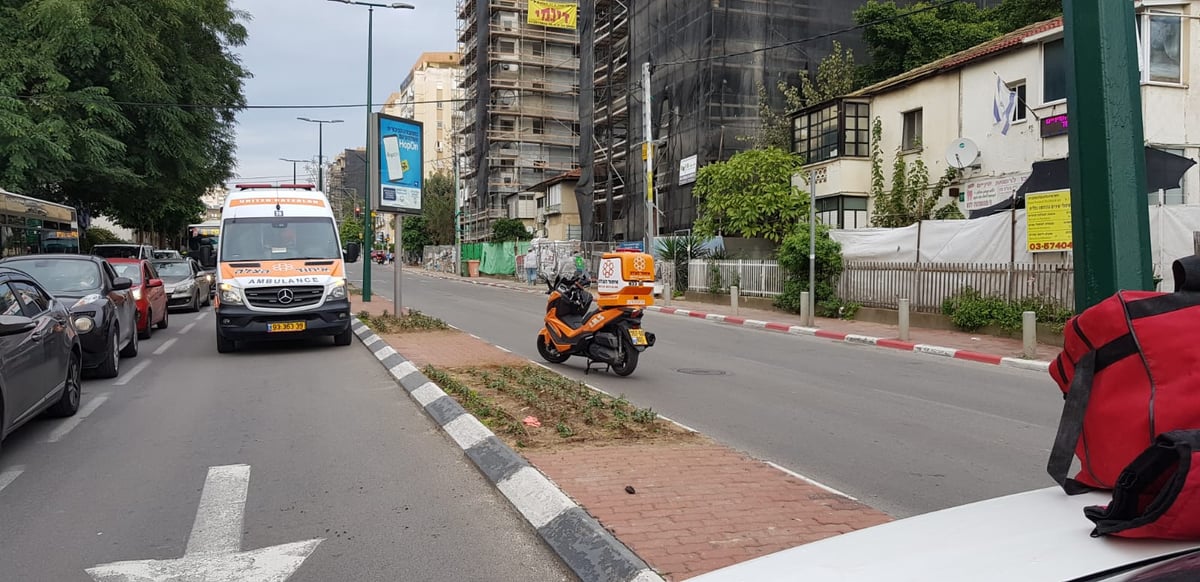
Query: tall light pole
<point>320,148</point>
<point>368,235</point>
<point>294,162</point>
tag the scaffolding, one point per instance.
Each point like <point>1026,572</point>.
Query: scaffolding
<point>520,120</point>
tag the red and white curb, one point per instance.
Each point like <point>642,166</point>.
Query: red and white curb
<point>955,353</point>
<point>931,350</point>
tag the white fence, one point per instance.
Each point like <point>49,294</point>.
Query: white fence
<point>927,285</point>
<point>752,278</point>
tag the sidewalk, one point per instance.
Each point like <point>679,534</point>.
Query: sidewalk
<point>951,344</point>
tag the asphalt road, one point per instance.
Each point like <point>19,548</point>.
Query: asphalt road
<point>905,433</point>
<point>332,450</point>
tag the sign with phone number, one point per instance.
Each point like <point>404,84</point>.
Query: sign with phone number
<point>1048,221</point>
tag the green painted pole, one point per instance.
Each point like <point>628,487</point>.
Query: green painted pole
<point>1109,213</point>
<point>368,235</point>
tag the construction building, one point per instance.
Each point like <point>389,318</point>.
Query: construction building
<point>520,118</point>
<point>429,94</point>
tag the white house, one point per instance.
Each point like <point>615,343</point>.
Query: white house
<point>927,111</point>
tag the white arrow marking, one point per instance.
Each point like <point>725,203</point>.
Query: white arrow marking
<point>213,551</point>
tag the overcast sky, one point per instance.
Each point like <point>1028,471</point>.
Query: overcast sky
<point>314,52</point>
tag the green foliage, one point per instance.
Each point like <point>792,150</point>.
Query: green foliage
<point>389,323</point>
<point>679,250</point>
<point>438,208</point>
<point>911,198</point>
<point>793,259</point>
<point>414,234</point>
<point>899,44</point>
<point>509,229</point>
<point>837,75</point>
<point>836,308</point>
<point>969,310</point>
<point>948,212</point>
<point>68,71</point>
<point>750,195</point>
<point>351,229</point>
<point>97,235</point>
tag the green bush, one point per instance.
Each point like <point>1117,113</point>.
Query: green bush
<point>969,310</point>
<point>793,259</point>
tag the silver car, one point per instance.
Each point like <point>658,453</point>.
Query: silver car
<point>186,284</point>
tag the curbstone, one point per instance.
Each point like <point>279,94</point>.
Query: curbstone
<point>589,550</point>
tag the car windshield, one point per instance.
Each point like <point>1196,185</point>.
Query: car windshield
<point>166,254</point>
<point>62,276</point>
<point>173,270</point>
<point>131,270</point>
<point>269,239</point>
<point>116,252</point>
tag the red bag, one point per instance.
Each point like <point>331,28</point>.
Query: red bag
<point>1158,495</point>
<point>1129,371</point>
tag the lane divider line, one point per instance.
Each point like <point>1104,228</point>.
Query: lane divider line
<point>165,346</point>
<point>187,328</point>
<point>69,425</point>
<point>9,475</point>
<point>127,376</point>
<point>812,482</point>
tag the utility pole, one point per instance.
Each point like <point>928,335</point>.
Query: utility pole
<point>457,220</point>
<point>1110,219</point>
<point>320,148</point>
<point>648,154</point>
<point>294,162</point>
<point>812,247</point>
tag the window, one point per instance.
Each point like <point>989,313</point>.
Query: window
<point>32,301</point>
<point>1054,71</point>
<point>538,126</point>
<point>537,49</point>
<point>508,47</point>
<point>1020,112</point>
<point>8,301</point>
<point>1171,197</point>
<point>842,211</point>
<point>912,130</point>
<point>842,128</point>
<point>1160,47</point>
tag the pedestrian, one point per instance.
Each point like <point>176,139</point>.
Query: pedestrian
<point>531,266</point>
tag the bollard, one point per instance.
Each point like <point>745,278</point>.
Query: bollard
<point>667,292</point>
<point>805,309</point>
<point>1029,333</point>
<point>903,317</point>
<point>733,298</point>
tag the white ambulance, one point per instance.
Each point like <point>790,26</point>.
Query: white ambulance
<point>280,271</point>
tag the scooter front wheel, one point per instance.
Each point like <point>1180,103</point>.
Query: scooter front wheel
<point>548,352</point>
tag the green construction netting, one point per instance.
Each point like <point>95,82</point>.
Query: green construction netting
<point>501,258</point>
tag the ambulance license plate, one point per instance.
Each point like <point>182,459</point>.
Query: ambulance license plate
<point>286,326</point>
<point>638,336</point>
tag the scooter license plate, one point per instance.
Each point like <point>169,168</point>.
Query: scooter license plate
<point>638,336</point>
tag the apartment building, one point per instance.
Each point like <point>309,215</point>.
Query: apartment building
<point>429,94</point>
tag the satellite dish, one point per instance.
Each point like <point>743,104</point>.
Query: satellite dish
<point>962,153</point>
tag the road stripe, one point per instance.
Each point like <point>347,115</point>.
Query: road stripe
<point>187,328</point>
<point>813,482</point>
<point>503,349</point>
<point>218,525</point>
<point>9,475</point>
<point>125,378</point>
<point>69,424</point>
<point>202,315</point>
<point>166,346</point>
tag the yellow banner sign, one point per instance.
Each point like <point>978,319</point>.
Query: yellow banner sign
<point>553,14</point>
<point>1048,220</point>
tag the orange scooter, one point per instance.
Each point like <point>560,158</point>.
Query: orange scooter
<point>610,333</point>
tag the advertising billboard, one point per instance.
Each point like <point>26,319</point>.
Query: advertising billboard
<point>1048,219</point>
<point>401,175</point>
<point>553,14</point>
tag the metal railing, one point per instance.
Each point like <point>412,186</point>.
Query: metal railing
<point>752,278</point>
<point>927,285</point>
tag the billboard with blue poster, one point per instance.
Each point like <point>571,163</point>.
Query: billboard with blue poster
<point>401,173</point>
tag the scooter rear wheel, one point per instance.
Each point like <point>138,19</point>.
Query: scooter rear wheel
<point>630,363</point>
<point>548,352</point>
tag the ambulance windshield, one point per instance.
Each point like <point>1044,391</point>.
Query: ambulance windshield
<point>271,239</point>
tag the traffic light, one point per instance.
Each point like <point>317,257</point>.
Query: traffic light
<point>357,211</point>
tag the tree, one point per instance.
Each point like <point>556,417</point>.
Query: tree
<point>98,235</point>
<point>837,75</point>
<point>438,208</point>
<point>351,230</point>
<point>1013,14</point>
<point>911,198</point>
<point>414,236</point>
<point>750,195</point>
<point>509,229</point>
<point>125,107</point>
<point>793,259</point>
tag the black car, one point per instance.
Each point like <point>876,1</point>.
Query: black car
<point>40,353</point>
<point>102,305</point>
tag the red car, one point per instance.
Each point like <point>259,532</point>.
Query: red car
<point>147,290</point>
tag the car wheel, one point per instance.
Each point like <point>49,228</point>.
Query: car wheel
<point>131,350</point>
<point>344,338</point>
<point>68,403</point>
<point>149,326</point>
<point>110,367</point>
<point>225,345</point>
<point>165,320</point>
<point>195,302</point>
<point>208,297</point>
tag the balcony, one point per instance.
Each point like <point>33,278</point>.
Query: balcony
<point>834,129</point>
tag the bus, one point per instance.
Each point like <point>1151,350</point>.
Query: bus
<point>202,240</point>
<point>29,226</point>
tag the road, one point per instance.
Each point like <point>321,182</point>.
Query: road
<point>905,433</point>
<point>199,454</point>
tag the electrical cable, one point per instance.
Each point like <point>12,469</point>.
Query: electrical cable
<point>219,107</point>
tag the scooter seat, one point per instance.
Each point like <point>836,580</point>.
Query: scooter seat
<point>574,321</point>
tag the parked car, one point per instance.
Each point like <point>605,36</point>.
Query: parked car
<point>102,305</point>
<point>166,254</point>
<point>40,353</point>
<point>186,284</point>
<point>147,291</point>
<point>124,251</point>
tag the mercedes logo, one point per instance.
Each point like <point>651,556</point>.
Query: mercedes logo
<point>285,296</point>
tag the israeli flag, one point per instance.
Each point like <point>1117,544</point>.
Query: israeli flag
<point>1003,105</point>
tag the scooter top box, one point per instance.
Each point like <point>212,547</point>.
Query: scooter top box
<point>625,278</point>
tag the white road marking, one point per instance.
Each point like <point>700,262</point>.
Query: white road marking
<point>202,315</point>
<point>166,346</point>
<point>127,376</point>
<point>503,349</point>
<point>9,475</point>
<point>187,328</point>
<point>69,424</point>
<point>812,481</point>
<point>214,547</point>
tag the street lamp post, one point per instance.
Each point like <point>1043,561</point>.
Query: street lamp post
<point>368,234</point>
<point>294,162</point>
<point>320,148</point>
